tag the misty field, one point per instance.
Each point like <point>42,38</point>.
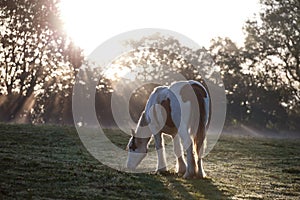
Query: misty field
<point>50,162</point>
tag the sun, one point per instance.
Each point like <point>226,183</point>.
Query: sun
<point>70,20</point>
<point>80,23</point>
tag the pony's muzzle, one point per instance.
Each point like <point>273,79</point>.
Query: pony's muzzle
<point>134,159</point>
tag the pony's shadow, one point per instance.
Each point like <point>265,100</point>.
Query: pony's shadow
<point>194,188</point>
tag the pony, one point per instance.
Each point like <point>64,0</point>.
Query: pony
<point>181,110</point>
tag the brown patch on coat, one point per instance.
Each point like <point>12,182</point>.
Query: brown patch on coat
<point>167,107</point>
<point>188,93</point>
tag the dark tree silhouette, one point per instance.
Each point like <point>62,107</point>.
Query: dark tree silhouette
<point>35,56</point>
<point>273,45</point>
<point>262,78</point>
<point>272,50</point>
<point>249,102</point>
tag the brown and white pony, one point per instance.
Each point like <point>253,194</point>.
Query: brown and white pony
<point>183,108</point>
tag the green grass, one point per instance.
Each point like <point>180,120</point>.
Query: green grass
<point>50,162</point>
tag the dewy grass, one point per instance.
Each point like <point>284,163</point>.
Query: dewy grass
<point>50,162</point>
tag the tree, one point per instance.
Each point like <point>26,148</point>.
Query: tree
<point>273,46</point>
<point>228,57</point>
<point>248,101</point>
<point>34,54</point>
<point>262,77</point>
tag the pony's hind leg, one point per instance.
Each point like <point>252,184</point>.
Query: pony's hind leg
<point>201,172</point>
<point>200,147</point>
<point>180,166</point>
<point>191,170</point>
<point>188,145</point>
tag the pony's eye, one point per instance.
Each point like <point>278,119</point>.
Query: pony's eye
<point>132,145</point>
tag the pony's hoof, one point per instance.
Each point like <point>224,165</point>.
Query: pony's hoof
<point>201,175</point>
<point>181,170</point>
<point>162,170</point>
<point>188,175</point>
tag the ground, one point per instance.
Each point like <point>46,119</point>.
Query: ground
<point>50,162</point>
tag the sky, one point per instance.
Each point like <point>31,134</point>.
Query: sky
<point>90,22</point>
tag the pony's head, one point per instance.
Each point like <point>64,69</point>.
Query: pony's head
<point>137,149</point>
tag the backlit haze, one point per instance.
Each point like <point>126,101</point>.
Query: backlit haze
<point>91,22</point>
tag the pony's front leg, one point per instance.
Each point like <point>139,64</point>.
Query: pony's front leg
<point>160,148</point>
<point>181,166</point>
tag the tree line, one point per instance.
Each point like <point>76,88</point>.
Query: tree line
<point>39,63</point>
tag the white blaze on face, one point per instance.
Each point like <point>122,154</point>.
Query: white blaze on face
<point>137,151</point>
<point>134,159</point>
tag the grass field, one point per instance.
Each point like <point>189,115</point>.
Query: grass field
<point>49,162</point>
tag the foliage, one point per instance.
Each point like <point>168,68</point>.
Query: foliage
<point>273,46</point>
<point>247,100</point>
<point>262,77</point>
<point>36,58</point>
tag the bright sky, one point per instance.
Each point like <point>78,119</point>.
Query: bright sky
<point>91,22</point>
